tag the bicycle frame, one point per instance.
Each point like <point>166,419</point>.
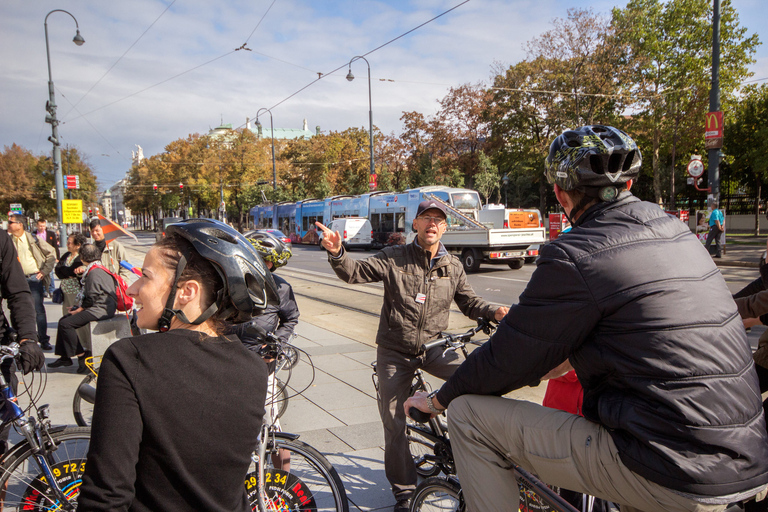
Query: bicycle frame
<point>10,412</point>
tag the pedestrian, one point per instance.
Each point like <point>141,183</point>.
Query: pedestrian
<point>50,236</point>
<point>96,300</point>
<point>716,228</point>
<point>280,319</point>
<point>420,281</point>
<point>172,429</point>
<point>112,252</point>
<point>69,270</point>
<point>37,259</point>
<point>629,299</point>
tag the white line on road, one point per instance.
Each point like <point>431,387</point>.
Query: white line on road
<point>503,278</point>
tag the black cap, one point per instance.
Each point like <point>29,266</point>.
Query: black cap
<point>431,204</point>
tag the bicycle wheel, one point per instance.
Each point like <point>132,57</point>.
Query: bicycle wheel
<point>312,484</point>
<point>25,487</point>
<point>420,447</point>
<point>82,404</point>
<point>437,493</point>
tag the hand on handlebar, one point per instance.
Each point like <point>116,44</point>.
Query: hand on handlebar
<point>30,356</point>
<point>419,402</point>
<point>500,313</point>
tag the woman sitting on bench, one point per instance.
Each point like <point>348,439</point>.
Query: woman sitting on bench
<point>95,301</point>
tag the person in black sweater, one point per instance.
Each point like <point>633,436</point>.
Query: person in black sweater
<point>178,413</point>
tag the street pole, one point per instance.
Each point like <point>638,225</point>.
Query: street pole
<point>51,118</point>
<point>351,77</point>
<point>272,133</point>
<point>714,102</point>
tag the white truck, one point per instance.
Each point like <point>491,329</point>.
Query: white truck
<point>481,241</point>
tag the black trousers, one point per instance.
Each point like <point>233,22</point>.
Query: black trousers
<point>67,342</point>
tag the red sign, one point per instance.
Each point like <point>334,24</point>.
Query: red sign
<point>556,224</point>
<point>72,181</point>
<point>713,130</point>
<point>372,181</point>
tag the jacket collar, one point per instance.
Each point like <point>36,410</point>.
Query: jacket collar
<point>437,260</point>
<point>596,209</point>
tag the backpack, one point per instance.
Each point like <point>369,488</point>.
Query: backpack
<point>124,301</point>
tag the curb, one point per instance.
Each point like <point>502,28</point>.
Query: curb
<point>737,264</point>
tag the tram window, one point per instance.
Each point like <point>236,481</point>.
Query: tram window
<point>400,222</point>
<point>388,222</point>
<point>374,222</point>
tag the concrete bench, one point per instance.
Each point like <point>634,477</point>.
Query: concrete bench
<point>106,332</point>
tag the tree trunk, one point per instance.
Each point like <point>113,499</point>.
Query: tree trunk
<point>655,165</point>
<point>757,208</point>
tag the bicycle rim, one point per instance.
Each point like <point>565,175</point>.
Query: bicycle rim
<point>312,485</point>
<point>82,409</point>
<point>437,494</point>
<point>25,486</point>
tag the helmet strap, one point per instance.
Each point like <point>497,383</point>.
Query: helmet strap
<point>164,323</point>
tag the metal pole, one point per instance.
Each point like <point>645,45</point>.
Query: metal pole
<point>714,101</point>
<point>272,133</point>
<point>350,77</point>
<point>51,118</point>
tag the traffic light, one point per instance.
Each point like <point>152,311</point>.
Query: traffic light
<point>181,186</point>
<point>154,187</point>
<point>90,211</point>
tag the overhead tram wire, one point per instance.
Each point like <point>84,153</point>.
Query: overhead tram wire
<point>118,60</point>
<point>321,76</point>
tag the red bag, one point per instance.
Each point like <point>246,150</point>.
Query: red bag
<point>124,301</point>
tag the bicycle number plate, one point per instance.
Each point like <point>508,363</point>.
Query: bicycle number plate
<point>284,491</point>
<point>69,476</point>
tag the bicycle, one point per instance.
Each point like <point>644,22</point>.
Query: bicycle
<point>444,493</point>
<point>44,471</point>
<point>427,442</point>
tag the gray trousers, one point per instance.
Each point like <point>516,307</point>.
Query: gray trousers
<point>562,449</point>
<point>395,371</point>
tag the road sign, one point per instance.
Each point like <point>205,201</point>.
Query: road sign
<point>72,211</point>
<point>713,130</point>
<point>72,181</point>
<point>15,206</point>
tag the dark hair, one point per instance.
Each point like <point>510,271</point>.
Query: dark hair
<point>198,269</point>
<point>89,253</point>
<point>94,223</point>
<point>41,220</point>
<point>19,218</point>
<point>78,239</point>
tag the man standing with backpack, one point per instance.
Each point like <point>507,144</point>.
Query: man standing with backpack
<point>96,301</point>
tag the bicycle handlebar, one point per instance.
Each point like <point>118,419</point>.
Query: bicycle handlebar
<point>419,415</point>
<point>454,341</point>
<point>9,351</point>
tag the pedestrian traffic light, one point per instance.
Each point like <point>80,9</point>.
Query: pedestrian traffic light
<point>181,186</point>
<point>154,187</point>
<point>90,211</point>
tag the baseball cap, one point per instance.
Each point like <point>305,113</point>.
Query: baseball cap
<point>431,204</point>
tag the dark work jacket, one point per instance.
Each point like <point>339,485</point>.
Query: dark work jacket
<point>15,290</point>
<point>632,298</point>
<point>100,297</point>
<point>280,319</point>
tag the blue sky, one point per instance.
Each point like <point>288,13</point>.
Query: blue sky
<point>136,103</point>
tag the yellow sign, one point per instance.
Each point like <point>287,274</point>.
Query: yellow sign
<point>72,211</point>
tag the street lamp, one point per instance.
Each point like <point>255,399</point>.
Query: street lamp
<point>505,181</point>
<point>272,132</point>
<point>350,77</point>
<point>51,118</point>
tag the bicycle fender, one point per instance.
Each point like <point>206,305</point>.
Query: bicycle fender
<point>286,435</point>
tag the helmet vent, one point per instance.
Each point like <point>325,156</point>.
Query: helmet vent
<point>614,162</point>
<point>628,161</point>
<point>596,163</point>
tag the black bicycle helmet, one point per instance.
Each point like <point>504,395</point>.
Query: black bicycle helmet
<point>593,157</point>
<point>248,285</point>
<point>270,248</point>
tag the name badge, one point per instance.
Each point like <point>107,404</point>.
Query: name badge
<point>421,298</point>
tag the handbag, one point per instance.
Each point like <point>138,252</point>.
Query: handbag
<point>58,296</point>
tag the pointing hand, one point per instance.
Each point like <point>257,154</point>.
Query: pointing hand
<point>331,240</point>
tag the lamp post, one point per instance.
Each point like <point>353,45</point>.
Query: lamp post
<point>51,118</point>
<point>272,132</point>
<point>350,77</point>
<point>505,182</point>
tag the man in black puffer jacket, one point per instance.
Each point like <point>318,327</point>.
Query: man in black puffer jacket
<point>632,301</point>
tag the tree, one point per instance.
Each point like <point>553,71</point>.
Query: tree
<point>487,178</point>
<point>746,142</point>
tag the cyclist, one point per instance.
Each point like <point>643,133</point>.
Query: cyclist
<point>633,302</point>
<point>280,319</point>
<point>420,281</point>
<point>171,431</point>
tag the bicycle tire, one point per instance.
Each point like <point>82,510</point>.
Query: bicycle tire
<point>25,487</point>
<point>311,484</point>
<point>437,494</point>
<point>82,409</point>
